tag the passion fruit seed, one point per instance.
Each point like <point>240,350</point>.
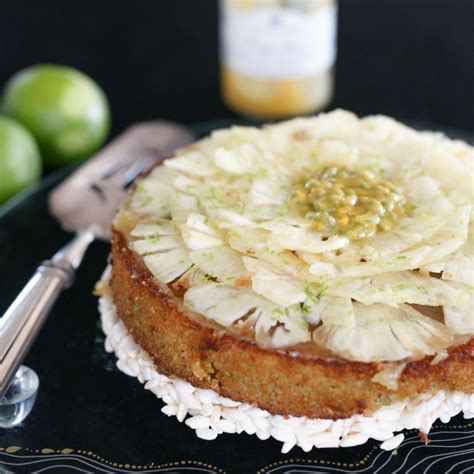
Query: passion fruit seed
<point>355,203</point>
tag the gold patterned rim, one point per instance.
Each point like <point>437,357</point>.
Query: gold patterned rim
<point>86,456</point>
<point>89,459</point>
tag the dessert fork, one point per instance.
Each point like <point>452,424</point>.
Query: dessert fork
<point>84,203</point>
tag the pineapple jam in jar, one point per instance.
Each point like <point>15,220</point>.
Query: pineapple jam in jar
<point>277,56</point>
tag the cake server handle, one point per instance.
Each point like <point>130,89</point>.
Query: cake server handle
<point>22,321</point>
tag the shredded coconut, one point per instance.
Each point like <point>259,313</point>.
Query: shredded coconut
<point>209,414</point>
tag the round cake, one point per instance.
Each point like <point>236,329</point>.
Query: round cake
<point>320,267</point>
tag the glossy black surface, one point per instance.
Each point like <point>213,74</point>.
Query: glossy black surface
<point>88,415</point>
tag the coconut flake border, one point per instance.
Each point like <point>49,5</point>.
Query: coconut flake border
<point>210,415</point>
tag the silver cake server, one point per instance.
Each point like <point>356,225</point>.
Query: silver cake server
<point>84,203</point>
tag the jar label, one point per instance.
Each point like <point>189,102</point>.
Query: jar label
<point>278,43</point>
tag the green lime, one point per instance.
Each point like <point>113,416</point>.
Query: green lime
<point>20,160</point>
<point>65,110</point>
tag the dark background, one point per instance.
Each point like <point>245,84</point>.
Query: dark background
<point>407,58</point>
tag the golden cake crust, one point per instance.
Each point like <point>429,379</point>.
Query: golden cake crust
<point>279,381</point>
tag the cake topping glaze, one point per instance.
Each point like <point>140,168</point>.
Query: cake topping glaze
<point>219,219</point>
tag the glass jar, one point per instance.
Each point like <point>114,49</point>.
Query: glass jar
<point>277,56</point>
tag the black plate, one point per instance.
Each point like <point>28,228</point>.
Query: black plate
<point>89,417</point>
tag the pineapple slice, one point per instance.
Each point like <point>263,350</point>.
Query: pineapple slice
<point>266,196</point>
<point>285,261</point>
<point>151,198</point>
<point>459,317</point>
<point>191,277</point>
<point>168,266</point>
<point>287,236</point>
<point>460,268</point>
<point>408,260</point>
<point>199,240</point>
<point>224,304</point>
<point>192,163</point>
<point>157,227</point>
<point>322,270</point>
<point>278,328</point>
<point>338,311</point>
<point>450,163</point>
<point>394,288</point>
<point>162,174</point>
<point>235,136</point>
<point>163,250</point>
<point>460,265</point>
<point>221,262</point>
<point>282,290</point>
<point>199,235</point>
<point>187,185</point>
<point>384,333</point>
<point>452,236</point>
<point>274,326</point>
<point>157,244</point>
<point>268,191</point>
<point>277,287</point>
<point>229,219</point>
<point>181,205</point>
<point>238,161</point>
<point>247,241</point>
<point>254,242</point>
<point>397,240</point>
<point>198,222</point>
<point>444,242</point>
